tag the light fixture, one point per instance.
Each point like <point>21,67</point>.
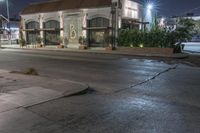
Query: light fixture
<point>150,6</point>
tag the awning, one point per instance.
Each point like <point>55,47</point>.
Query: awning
<point>96,28</point>
<point>45,29</point>
<point>30,29</point>
<point>133,21</point>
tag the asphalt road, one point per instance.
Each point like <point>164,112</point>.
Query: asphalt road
<point>106,72</point>
<point>128,95</point>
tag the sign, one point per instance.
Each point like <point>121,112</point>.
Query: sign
<point>72,32</point>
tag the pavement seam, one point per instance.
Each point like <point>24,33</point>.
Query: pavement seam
<point>148,80</point>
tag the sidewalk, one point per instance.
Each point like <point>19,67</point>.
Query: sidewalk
<point>100,51</point>
<point>18,92</point>
<point>26,90</point>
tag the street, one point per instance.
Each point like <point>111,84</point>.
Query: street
<point>192,47</point>
<point>127,94</point>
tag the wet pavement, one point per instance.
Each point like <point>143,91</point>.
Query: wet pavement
<point>129,96</point>
<point>103,72</point>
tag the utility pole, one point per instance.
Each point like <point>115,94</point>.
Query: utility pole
<point>113,12</point>
<point>8,14</point>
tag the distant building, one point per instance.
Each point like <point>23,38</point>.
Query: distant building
<point>9,31</point>
<point>71,19</point>
<point>171,24</point>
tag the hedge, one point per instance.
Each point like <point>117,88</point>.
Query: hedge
<point>153,38</point>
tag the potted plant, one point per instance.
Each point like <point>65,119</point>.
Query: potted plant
<point>60,42</point>
<point>39,41</point>
<point>22,42</point>
<point>82,42</point>
<point>66,41</point>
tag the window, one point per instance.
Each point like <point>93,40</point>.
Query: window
<point>32,35</point>
<point>52,36</point>
<point>32,25</point>
<point>99,22</point>
<point>52,24</point>
<point>97,36</point>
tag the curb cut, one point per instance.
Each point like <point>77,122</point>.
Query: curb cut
<point>82,91</point>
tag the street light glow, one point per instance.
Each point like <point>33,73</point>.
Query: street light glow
<point>150,6</point>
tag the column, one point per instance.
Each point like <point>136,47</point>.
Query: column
<point>61,25</point>
<point>41,19</point>
<point>23,28</point>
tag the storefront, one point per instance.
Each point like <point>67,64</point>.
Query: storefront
<point>66,21</point>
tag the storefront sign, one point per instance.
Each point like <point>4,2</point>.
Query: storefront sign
<point>72,32</point>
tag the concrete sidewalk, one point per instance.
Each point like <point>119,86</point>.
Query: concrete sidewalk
<point>13,82</point>
<point>18,92</point>
<point>99,51</point>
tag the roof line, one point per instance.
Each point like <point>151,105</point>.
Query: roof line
<point>4,17</point>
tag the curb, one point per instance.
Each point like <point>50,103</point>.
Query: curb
<point>175,56</point>
<point>75,93</point>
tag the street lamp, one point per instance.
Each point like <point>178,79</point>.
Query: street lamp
<point>149,14</point>
<point>149,6</point>
<point>8,15</point>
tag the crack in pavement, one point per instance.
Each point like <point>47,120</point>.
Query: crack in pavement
<point>147,80</point>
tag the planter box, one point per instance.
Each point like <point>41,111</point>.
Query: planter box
<point>60,46</point>
<point>83,47</point>
<point>39,45</point>
<point>110,49</point>
<point>148,50</point>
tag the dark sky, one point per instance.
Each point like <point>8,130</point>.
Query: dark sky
<point>165,7</point>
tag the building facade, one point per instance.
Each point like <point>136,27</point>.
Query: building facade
<point>9,30</point>
<point>68,20</point>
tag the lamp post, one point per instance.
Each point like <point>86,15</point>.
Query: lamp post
<point>8,17</point>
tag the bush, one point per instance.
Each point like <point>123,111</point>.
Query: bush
<point>154,38</point>
<point>39,39</point>
<point>22,42</point>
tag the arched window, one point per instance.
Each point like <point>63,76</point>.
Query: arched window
<point>32,32</point>
<point>32,25</point>
<point>52,24</point>
<point>99,22</point>
<point>98,31</point>
<point>52,32</point>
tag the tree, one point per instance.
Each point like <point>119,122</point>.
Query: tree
<point>185,29</point>
<point>197,27</point>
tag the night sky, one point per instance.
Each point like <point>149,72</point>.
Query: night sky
<point>165,7</point>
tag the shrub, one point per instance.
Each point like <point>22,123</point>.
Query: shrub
<point>154,38</point>
<point>39,39</point>
<point>22,42</point>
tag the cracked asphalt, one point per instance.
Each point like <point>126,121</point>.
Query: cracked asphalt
<point>130,95</point>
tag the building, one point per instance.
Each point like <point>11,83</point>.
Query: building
<point>68,20</point>
<point>171,24</point>
<point>9,30</point>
